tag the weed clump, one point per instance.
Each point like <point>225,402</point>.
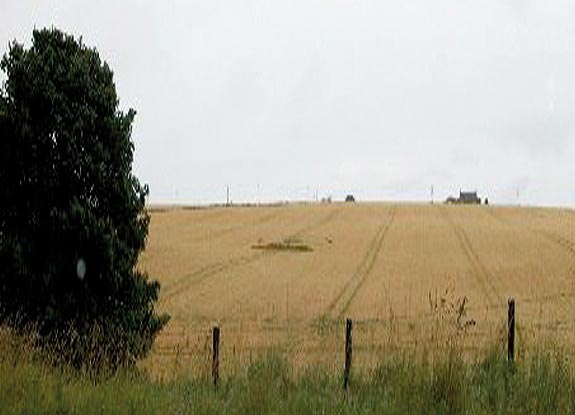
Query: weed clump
<point>290,244</point>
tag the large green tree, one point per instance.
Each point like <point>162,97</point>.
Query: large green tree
<point>72,214</point>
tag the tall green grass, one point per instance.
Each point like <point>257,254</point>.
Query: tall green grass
<point>408,384</point>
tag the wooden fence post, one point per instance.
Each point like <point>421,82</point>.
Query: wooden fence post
<point>348,352</point>
<point>216,355</point>
<point>511,330</point>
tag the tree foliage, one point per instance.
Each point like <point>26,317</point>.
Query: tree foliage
<point>68,198</point>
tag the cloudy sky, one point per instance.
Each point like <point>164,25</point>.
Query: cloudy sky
<point>380,98</point>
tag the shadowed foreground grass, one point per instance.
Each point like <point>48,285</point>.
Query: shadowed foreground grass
<point>404,385</point>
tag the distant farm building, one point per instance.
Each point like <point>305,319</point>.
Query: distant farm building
<point>465,198</point>
<point>469,198</point>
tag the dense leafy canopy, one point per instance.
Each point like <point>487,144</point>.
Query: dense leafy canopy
<point>69,202</point>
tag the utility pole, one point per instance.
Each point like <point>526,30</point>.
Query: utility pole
<point>432,194</point>
<point>227,195</point>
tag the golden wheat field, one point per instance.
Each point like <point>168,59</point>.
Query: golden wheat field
<point>411,276</point>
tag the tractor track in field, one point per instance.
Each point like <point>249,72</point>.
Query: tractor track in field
<point>480,272</point>
<point>565,243</point>
<point>562,242</point>
<point>200,275</point>
<point>211,236</point>
<point>343,300</point>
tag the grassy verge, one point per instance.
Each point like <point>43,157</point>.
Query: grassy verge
<point>403,385</point>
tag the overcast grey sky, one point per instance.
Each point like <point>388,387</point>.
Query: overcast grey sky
<point>380,98</point>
